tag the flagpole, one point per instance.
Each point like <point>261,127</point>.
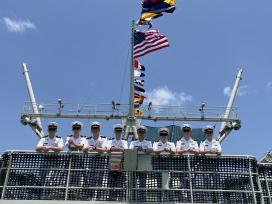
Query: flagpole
<point>131,96</point>
<point>131,120</point>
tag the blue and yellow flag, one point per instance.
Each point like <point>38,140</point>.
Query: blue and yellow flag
<point>154,9</point>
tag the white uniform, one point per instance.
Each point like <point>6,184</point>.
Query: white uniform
<point>46,141</point>
<point>81,140</point>
<point>118,143</point>
<point>206,145</point>
<point>161,146</point>
<point>185,144</point>
<point>145,144</point>
<point>99,143</point>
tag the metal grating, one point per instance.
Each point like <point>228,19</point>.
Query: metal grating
<point>265,175</point>
<point>172,178</point>
<point>170,163</point>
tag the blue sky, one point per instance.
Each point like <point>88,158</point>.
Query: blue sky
<point>78,51</point>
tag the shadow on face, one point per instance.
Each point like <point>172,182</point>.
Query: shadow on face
<point>209,134</point>
<point>76,129</point>
<point>118,133</point>
<point>186,133</point>
<point>141,134</point>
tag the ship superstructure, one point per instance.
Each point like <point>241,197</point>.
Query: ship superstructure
<point>152,178</point>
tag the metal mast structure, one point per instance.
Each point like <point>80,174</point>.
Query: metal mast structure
<point>131,120</point>
<point>227,127</point>
<point>31,115</point>
<point>35,123</point>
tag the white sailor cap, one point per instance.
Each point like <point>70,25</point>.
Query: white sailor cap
<point>164,130</point>
<point>208,127</point>
<point>52,124</point>
<point>186,126</point>
<point>77,123</point>
<point>118,126</point>
<point>141,127</point>
<point>95,124</point>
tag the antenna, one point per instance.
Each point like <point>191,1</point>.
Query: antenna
<point>226,128</point>
<point>35,123</point>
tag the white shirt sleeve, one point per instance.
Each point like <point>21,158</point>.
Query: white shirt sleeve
<point>83,141</point>
<point>60,142</point>
<point>109,144</point>
<point>178,143</point>
<point>195,145</point>
<point>132,145</point>
<point>149,145</point>
<point>67,139</point>
<point>155,146</point>
<point>40,143</point>
<point>125,144</point>
<point>201,147</point>
<point>172,146</point>
<point>104,143</point>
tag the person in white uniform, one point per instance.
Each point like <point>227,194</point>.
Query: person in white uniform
<point>76,141</point>
<point>210,145</point>
<point>50,142</point>
<point>95,177</point>
<point>97,142</point>
<point>163,145</point>
<point>116,144</point>
<point>186,145</point>
<point>116,178</point>
<point>141,145</point>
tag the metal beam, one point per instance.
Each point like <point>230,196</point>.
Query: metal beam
<point>37,130</point>
<point>131,120</point>
<point>224,131</point>
<point>153,118</point>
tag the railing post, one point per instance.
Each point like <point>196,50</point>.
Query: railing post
<point>251,182</point>
<point>7,177</point>
<point>190,178</point>
<point>267,187</point>
<point>68,177</point>
<point>128,190</point>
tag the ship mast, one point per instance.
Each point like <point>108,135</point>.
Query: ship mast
<point>126,114</point>
<point>131,94</point>
<point>34,123</point>
<point>131,120</point>
<point>227,127</point>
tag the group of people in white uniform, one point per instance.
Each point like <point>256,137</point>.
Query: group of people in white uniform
<point>98,143</point>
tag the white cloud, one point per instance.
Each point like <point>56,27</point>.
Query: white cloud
<point>242,90</point>
<point>164,96</point>
<point>269,86</point>
<point>18,26</point>
<point>227,91</point>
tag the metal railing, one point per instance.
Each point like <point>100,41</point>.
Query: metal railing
<point>108,111</point>
<point>155,178</point>
<point>265,176</point>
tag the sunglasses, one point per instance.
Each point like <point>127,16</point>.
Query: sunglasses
<point>95,127</point>
<point>52,129</point>
<point>141,131</point>
<point>163,134</point>
<point>76,127</point>
<point>208,132</point>
<point>186,130</point>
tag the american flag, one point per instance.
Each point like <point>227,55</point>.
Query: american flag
<point>148,41</point>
